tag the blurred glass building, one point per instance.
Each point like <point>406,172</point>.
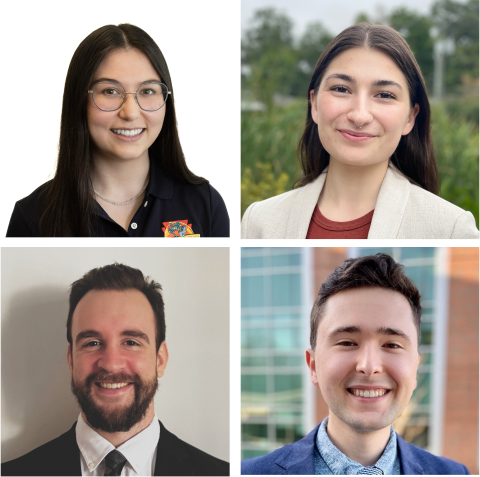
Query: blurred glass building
<point>279,403</point>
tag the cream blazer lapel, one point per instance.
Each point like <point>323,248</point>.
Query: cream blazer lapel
<point>390,207</point>
<point>389,210</point>
<point>303,206</point>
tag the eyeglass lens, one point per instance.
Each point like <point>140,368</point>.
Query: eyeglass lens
<point>109,96</point>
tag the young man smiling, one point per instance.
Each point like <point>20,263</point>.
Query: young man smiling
<point>364,337</point>
<point>116,352</point>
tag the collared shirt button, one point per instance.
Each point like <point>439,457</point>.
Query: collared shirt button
<point>91,465</point>
<point>134,225</point>
<point>146,203</point>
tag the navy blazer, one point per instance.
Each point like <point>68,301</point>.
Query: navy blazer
<point>298,459</point>
<point>61,456</point>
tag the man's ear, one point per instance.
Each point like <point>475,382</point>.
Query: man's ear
<point>69,357</point>
<point>310,358</point>
<point>162,359</point>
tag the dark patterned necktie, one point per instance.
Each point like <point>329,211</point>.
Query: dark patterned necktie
<point>114,463</point>
<point>368,471</point>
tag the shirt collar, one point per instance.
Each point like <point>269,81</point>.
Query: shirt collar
<point>136,450</point>
<point>340,464</point>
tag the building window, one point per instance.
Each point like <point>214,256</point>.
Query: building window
<point>274,339</point>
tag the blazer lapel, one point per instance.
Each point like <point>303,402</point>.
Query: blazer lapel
<point>389,210</point>
<point>390,207</point>
<point>409,463</point>
<point>303,207</point>
<point>298,458</point>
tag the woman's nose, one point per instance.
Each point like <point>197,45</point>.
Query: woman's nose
<point>359,113</point>
<point>130,108</point>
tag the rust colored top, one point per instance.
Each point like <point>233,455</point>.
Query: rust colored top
<point>323,228</point>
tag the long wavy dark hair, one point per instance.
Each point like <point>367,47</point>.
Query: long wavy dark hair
<point>415,155</point>
<point>67,205</point>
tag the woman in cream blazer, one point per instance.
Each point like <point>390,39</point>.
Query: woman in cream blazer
<point>402,211</point>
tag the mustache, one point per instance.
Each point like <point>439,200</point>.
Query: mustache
<point>107,377</point>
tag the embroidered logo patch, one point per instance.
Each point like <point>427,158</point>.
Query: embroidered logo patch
<point>178,228</point>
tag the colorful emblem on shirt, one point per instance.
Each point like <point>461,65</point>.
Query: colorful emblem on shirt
<point>178,228</point>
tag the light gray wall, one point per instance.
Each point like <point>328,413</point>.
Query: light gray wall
<point>193,397</point>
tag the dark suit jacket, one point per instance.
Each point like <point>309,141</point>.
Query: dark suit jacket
<point>62,457</point>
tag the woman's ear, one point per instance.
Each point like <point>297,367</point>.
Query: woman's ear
<point>411,119</point>
<point>313,102</point>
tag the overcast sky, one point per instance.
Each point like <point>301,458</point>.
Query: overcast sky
<point>335,16</point>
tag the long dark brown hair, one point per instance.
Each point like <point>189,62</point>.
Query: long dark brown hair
<point>372,271</point>
<point>67,205</point>
<point>119,277</point>
<point>415,155</point>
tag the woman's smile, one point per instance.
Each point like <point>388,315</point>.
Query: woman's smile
<point>354,136</point>
<point>128,135</point>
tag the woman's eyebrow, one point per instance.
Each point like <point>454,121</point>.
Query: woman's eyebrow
<point>349,79</point>
<point>111,80</point>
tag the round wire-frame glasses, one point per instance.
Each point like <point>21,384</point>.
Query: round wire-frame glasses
<point>94,92</point>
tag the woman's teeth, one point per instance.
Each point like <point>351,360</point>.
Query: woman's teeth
<point>127,132</point>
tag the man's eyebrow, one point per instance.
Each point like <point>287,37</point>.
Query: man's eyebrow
<point>349,79</point>
<point>111,80</point>
<point>95,334</point>
<point>383,330</point>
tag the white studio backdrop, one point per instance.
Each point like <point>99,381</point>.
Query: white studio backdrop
<point>193,396</point>
<point>201,44</point>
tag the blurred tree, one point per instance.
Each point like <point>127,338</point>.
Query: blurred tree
<point>362,18</point>
<point>415,28</point>
<point>261,184</point>
<point>273,63</point>
<point>268,31</point>
<point>312,43</point>
<point>268,53</point>
<point>272,73</point>
<point>459,22</point>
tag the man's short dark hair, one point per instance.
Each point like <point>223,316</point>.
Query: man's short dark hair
<point>119,277</point>
<point>372,271</point>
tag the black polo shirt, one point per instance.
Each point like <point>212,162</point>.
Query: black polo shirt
<point>170,209</point>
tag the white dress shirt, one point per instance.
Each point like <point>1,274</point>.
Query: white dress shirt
<point>140,451</point>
